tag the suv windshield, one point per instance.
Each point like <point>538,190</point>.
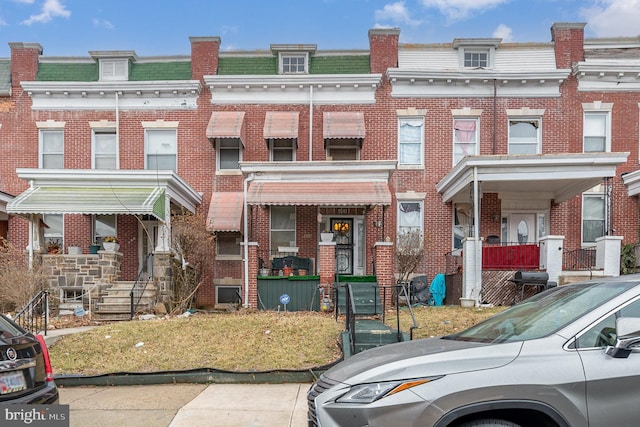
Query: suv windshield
<point>543,314</point>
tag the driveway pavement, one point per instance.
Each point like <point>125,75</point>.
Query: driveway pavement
<point>182,405</point>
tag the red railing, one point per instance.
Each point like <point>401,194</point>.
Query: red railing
<point>510,256</point>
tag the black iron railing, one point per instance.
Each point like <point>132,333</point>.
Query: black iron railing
<point>582,259</point>
<point>34,316</point>
<point>139,286</point>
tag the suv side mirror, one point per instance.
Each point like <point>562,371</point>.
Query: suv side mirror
<point>628,332</point>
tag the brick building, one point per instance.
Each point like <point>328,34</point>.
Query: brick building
<point>470,142</point>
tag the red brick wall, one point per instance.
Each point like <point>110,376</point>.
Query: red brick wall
<point>569,42</point>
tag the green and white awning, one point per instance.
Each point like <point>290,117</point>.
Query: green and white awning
<point>91,200</point>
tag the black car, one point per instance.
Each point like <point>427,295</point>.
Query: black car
<point>26,376</point>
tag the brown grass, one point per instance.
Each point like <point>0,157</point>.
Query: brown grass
<point>242,341</point>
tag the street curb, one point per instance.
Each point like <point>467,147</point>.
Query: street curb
<point>196,376</point>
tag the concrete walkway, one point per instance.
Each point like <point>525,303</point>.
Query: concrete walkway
<point>192,405</point>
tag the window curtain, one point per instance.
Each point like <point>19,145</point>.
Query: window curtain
<point>465,130</point>
<point>410,141</point>
<point>409,218</point>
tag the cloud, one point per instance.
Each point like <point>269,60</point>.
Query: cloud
<point>607,18</point>
<point>503,32</point>
<point>24,1</point>
<point>103,23</point>
<point>50,10</point>
<point>397,13</point>
<point>456,10</point>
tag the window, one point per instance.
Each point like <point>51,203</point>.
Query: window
<point>293,63</point>
<point>103,225</point>
<point>228,244</point>
<point>476,58</point>
<point>410,217</point>
<point>596,132</point>
<point>114,69</point>
<point>52,149</point>
<point>593,223</point>
<point>105,149</point>
<point>283,227</point>
<point>228,295</point>
<point>282,150</point>
<point>604,332</point>
<point>229,153</point>
<point>343,148</point>
<point>524,136</point>
<point>161,149</point>
<point>460,224</point>
<point>465,138</point>
<point>54,231</point>
<point>410,140</point>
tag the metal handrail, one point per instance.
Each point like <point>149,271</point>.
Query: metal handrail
<point>30,319</point>
<point>579,260</point>
<point>413,317</point>
<point>137,289</point>
<point>351,317</point>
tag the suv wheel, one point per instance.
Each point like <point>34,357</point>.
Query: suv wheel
<point>492,422</point>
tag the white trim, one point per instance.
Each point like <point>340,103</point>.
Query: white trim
<point>102,124</point>
<point>50,124</point>
<point>160,124</point>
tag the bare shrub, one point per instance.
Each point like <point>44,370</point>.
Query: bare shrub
<point>410,249</point>
<point>194,247</point>
<point>19,281</point>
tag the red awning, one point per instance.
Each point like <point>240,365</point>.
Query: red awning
<point>281,124</point>
<point>319,193</point>
<point>340,124</point>
<point>226,124</point>
<point>225,212</point>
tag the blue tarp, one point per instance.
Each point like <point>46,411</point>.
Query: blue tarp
<point>438,289</point>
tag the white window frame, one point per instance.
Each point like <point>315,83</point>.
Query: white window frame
<point>592,194</point>
<point>148,140</point>
<point>103,226</point>
<point>459,154</point>
<point>300,67</point>
<point>43,143</point>
<point>282,145</point>
<point>114,69</point>
<point>95,155</point>
<point>587,131</point>
<point>286,210</point>
<point>471,56</point>
<point>414,121</point>
<point>50,232</point>
<point>222,236</point>
<point>404,220</point>
<point>230,144</point>
<point>517,141</point>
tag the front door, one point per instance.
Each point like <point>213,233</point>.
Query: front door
<point>149,239</point>
<point>343,236</point>
<point>522,228</point>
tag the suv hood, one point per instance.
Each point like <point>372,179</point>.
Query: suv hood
<point>420,358</point>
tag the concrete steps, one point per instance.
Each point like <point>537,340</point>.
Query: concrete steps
<point>114,303</point>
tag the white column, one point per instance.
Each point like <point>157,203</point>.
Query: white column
<point>472,267</point>
<point>608,255</point>
<point>551,248</point>
<point>164,230</point>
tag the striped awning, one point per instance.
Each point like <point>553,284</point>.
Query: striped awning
<point>90,201</point>
<point>343,124</point>
<point>225,211</point>
<point>319,193</point>
<point>281,124</point>
<point>226,124</point>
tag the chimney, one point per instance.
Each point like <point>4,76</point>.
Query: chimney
<point>383,49</point>
<point>205,52</point>
<point>568,39</point>
<point>24,62</point>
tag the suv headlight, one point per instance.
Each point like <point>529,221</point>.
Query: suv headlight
<point>367,393</point>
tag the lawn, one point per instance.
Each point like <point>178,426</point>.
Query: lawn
<point>241,341</point>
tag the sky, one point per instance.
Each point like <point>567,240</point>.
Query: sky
<point>163,27</point>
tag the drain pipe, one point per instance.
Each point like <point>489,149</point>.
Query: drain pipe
<point>246,240</point>
<point>310,122</point>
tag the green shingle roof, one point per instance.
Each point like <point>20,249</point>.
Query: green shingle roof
<point>248,65</point>
<point>5,76</point>
<point>147,71</point>
<point>347,64</point>
<point>66,72</point>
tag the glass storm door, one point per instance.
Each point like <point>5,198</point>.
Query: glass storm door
<point>522,228</point>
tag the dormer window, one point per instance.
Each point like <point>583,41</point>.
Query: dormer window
<point>294,58</point>
<point>476,53</point>
<point>114,69</point>
<point>476,58</point>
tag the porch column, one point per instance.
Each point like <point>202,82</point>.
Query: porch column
<point>608,255</point>
<point>164,230</point>
<point>551,248</point>
<point>384,269</point>
<point>472,267</point>
<point>327,266</point>
<point>251,294</point>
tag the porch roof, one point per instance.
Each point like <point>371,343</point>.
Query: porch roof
<point>557,177</point>
<point>318,193</point>
<point>225,211</point>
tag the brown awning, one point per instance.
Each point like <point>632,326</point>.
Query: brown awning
<point>225,212</point>
<point>226,124</point>
<point>339,124</point>
<point>281,124</point>
<point>319,193</point>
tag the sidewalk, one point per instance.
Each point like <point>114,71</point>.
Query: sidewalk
<point>182,405</point>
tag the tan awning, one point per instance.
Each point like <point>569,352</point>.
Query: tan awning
<point>319,193</point>
<point>281,124</point>
<point>226,124</point>
<point>225,211</point>
<point>340,124</point>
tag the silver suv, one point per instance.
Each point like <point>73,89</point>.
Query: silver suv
<point>569,356</point>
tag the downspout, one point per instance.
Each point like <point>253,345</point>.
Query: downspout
<point>495,136</point>
<point>117,130</point>
<point>246,240</point>
<point>31,225</point>
<point>476,210</point>
<point>310,122</point>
